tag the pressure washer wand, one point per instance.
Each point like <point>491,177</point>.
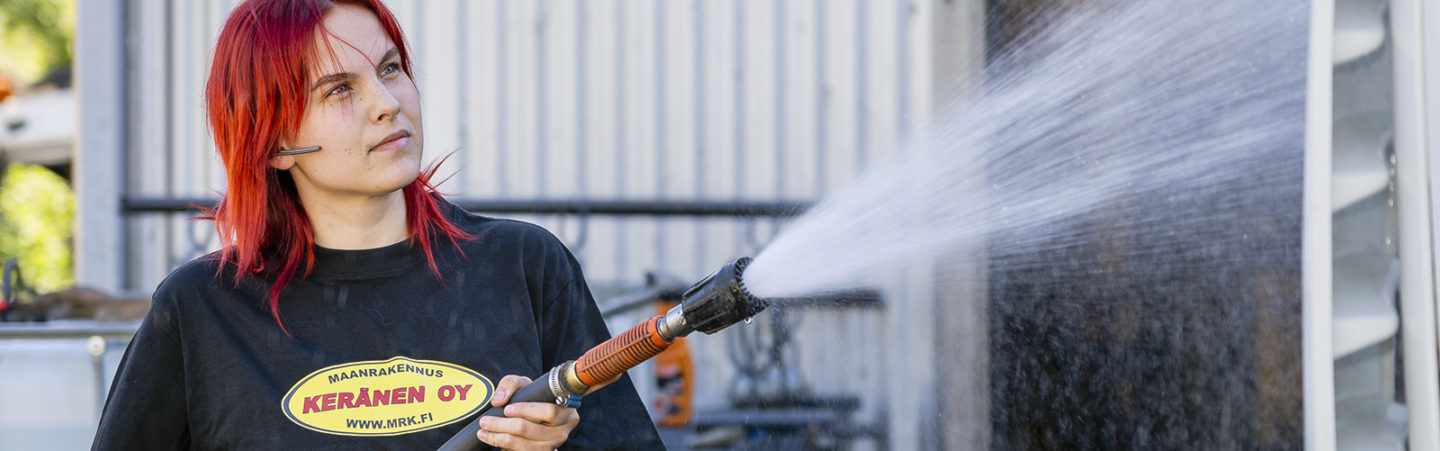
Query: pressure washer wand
<point>708,306</point>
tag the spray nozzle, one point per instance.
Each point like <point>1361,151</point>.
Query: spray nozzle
<point>714,303</point>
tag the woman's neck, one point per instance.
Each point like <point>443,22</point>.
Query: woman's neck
<point>358,222</point>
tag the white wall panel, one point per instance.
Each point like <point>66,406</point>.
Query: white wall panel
<point>569,99</point>
<point>148,136</point>
<point>484,142</point>
<point>593,99</point>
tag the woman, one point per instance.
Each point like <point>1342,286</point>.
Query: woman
<point>352,308</point>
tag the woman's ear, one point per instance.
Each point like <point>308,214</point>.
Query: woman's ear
<point>282,162</point>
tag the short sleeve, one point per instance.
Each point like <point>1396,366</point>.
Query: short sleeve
<point>146,408</point>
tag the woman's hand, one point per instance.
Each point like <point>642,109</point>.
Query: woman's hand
<point>527,425</point>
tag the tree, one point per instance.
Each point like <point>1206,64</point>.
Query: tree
<point>37,214</point>
<point>36,37</point>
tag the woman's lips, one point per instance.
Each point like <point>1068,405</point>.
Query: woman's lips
<point>395,141</point>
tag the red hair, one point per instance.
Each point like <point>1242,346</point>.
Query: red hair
<point>254,97</point>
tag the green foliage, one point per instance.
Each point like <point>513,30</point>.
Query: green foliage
<point>37,215</point>
<point>36,36</point>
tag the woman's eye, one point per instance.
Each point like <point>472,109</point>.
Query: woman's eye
<point>343,88</point>
<point>390,69</point>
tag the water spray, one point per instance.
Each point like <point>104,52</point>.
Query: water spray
<point>709,306</point>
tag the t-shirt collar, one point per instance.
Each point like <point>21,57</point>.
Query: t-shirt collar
<point>367,263</point>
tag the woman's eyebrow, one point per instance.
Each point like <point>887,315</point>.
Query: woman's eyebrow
<point>328,79</point>
<point>342,76</point>
<point>390,54</point>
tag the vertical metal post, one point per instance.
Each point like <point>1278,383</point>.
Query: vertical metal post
<point>738,119</point>
<point>961,313</point>
<point>582,108</point>
<point>99,152</point>
<point>1412,196</point>
<point>699,88</point>
<point>462,91</point>
<point>96,345</point>
<point>822,97</point>
<point>622,245</point>
<point>905,107</point>
<point>1430,39</point>
<point>1316,270</point>
<point>662,172</point>
<point>862,82</point>
<point>780,97</point>
<point>502,103</point>
<point>542,98</point>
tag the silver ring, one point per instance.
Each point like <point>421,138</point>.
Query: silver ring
<point>553,380</point>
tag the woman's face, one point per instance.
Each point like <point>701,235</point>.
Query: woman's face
<point>362,109</point>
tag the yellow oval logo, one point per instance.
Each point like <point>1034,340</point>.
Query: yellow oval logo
<point>389,397</point>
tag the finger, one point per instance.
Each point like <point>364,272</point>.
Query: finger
<point>498,440</point>
<point>508,385</point>
<point>518,433</point>
<point>512,443</point>
<point>543,413</point>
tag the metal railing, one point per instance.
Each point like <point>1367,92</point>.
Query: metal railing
<point>686,208</point>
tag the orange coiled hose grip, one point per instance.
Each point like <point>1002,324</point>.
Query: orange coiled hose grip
<point>614,356</point>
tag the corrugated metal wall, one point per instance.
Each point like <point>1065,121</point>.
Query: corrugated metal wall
<point>615,100</point>
<point>573,99</point>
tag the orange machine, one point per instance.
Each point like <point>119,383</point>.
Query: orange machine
<point>674,371</point>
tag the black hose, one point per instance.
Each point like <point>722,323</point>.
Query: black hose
<point>467,440</point>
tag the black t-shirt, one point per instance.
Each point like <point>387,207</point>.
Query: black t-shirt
<point>383,356</point>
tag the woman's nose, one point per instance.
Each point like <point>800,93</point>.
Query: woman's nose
<point>383,106</point>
